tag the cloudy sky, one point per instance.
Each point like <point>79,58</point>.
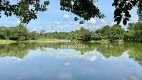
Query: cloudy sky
<point>56,20</point>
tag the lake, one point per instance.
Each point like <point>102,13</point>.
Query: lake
<point>71,61</point>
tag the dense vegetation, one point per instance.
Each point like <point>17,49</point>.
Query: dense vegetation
<point>18,33</point>
<point>112,33</point>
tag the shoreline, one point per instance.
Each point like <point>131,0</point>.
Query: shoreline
<point>7,41</point>
<point>47,41</point>
<point>31,41</point>
<point>58,41</point>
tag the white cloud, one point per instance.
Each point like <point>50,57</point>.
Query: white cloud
<point>97,26</point>
<point>103,21</point>
<point>48,25</point>
<point>66,16</point>
<point>75,23</point>
<point>92,21</point>
<point>34,29</point>
<point>56,22</point>
<point>70,22</point>
<point>112,23</point>
<point>50,31</point>
<point>82,25</point>
<point>16,22</point>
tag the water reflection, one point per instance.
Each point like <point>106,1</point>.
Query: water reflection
<point>52,61</point>
<point>107,50</point>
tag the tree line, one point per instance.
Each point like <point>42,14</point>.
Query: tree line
<point>111,33</point>
<point>19,33</point>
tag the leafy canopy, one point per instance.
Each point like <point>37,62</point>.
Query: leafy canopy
<point>27,10</point>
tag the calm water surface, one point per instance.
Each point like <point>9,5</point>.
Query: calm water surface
<point>68,61</point>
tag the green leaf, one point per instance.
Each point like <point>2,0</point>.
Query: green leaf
<point>76,19</point>
<point>121,4</point>
<point>124,21</point>
<point>118,18</point>
<point>127,14</point>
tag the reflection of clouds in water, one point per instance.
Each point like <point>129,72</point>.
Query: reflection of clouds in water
<point>72,54</point>
<point>88,70</point>
<point>93,55</point>
<point>125,55</point>
<point>131,78</point>
<point>93,58</point>
<point>67,63</point>
<point>90,57</point>
<point>19,59</point>
<point>64,77</point>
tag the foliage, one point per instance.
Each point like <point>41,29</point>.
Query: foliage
<point>82,8</point>
<point>134,32</point>
<point>4,32</point>
<point>139,11</point>
<point>111,33</point>
<point>18,33</point>
<point>27,10</point>
<point>114,32</point>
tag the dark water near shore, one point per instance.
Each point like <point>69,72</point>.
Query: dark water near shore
<point>71,61</point>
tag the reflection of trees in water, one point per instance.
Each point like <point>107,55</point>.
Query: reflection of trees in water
<point>18,50</point>
<point>116,50</point>
<point>140,62</point>
<point>135,51</point>
<point>107,50</point>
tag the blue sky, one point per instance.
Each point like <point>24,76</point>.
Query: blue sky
<point>56,20</point>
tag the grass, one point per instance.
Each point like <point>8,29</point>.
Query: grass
<point>99,41</point>
<point>55,41</point>
<point>121,41</point>
<point>106,41</point>
<point>31,41</point>
<point>48,40</point>
<point>7,41</point>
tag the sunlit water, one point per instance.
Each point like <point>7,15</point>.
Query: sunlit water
<point>65,61</point>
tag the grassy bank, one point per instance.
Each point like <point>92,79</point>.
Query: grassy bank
<point>31,41</point>
<point>47,40</point>
<point>7,41</point>
<point>106,41</point>
<point>55,41</point>
<point>99,41</point>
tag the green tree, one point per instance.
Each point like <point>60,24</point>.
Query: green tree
<point>4,32</point>
<point>104,31</point>
<point>25,9</point>
<point>19,33</point>
<point>134,32</point>
<point>33,35</point>
<point>116,33</point>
